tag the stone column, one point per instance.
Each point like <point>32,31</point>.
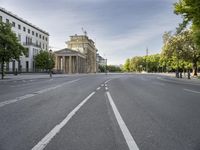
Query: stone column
<point>56,63</point>
<point>59,63</point>
<point>77,65</point>
<point>70,64</point>
<point>63,64</point>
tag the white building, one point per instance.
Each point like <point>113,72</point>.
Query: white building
<point>30,36</point>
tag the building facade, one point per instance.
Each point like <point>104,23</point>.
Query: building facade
<point>30,36</point>
<point>69,61</point>
<point>86,46</point>
<point>101,62</point>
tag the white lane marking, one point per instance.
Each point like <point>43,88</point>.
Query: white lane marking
<point>98,88</point>
<point>188,90</point>
<point>108,81</point>
<point>16,100</point>
<point>105,84</point>
<point>101,84</point>
<point>106,88</point>
<point>127,135</point>
<point>34,93</point>
<point>43,143</point>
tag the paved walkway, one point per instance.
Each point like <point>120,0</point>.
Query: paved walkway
<point>10,77</point>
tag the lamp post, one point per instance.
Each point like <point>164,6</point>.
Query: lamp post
<point>50,71</point>
<point>106,67</point>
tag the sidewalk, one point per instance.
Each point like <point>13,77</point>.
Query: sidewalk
<point>11,77</point>
<point>173,75</point>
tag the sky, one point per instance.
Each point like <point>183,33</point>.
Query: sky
<point>121,29</point>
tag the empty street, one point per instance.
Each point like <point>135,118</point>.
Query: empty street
<point>101,112</point>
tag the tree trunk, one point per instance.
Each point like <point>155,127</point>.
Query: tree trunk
<point>2,70</point>
<point>194,68</point>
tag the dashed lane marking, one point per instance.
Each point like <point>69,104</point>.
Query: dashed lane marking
<point>108,81</point>
<point>43,143</point>
<point>188,90</point>
<point>33,94</point>
<point>98,88</point>
<point>127,135</point>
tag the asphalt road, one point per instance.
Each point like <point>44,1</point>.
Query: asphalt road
<point>100,112</point>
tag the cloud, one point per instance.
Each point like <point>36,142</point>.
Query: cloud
<point>121,28</point>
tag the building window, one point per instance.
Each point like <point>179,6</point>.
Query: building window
<point>13,24</point>
<point>19,37</point>
<point>33,33</point>
<point>7,21</point>
<point>46,39</point>
<point>29,31</point>
<point>24,29</point>
<point>36,34</point>
<point>27,54</point>
<point>19,26</point>
<point>43,37</point>
<point>40,36</point>
<point>1,18</point>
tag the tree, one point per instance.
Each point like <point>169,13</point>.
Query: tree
<point>113,68</point>
<point>102,68</point>
<point>10,48</point>
<point>190,11</point>
<point>181,50</point>
<point>153,62</point>
<point>44,60</point>
<point>137,64</point>
<point>127,65</point>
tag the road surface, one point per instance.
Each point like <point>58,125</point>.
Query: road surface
<point>100,112</point>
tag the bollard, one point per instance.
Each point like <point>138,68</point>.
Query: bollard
<point>15,72</point>
<point>188,74</point>
<point>181,75</point>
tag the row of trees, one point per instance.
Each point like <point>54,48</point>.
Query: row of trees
<point>181,50</point>
<point>109,68</point>
<point>149,63</point>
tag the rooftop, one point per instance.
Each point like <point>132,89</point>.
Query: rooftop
<point>22,20</point>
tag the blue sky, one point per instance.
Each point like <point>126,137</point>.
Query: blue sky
<point>120,28</point>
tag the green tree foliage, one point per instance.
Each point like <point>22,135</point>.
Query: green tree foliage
<point>190,11</point>
<point>110,68</point>
<point>113,68</point>
<point>44,60</point>
<point>126,66</point>
<point>139,63</point>
<point>10,48</point>
<point>102,68</point>
<point>181,50</point>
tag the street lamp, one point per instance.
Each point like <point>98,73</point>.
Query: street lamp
<point>106,67</point>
